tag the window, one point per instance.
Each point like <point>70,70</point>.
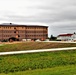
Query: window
<point>14,31</point>
<point>22,27</point>
<point>14,27</point>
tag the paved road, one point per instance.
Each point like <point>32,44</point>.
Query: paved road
<point>60,41</point>
<point>36,51</point>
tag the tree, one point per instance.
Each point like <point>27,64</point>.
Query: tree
<point>52,37</point>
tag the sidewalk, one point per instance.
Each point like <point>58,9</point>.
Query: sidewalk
<point>36,51</point>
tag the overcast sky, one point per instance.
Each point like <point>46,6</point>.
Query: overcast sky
<point>59,15</point>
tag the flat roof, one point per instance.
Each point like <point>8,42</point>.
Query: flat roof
<point>11,24</point>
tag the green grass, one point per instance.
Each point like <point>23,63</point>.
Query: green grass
<point>34,45</point>
<point>60,70</point>
<point>25,62</point>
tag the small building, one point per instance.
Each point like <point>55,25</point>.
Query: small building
<point>67,37</point>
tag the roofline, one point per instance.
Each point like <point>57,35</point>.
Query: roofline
<point>24,25</point>
<point>64,35</point>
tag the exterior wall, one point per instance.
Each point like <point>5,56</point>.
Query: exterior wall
<point>36,33</point>
<point>67,38</point>
<point>6,32</point>
<point>23,32</point>
<point>64,38</point>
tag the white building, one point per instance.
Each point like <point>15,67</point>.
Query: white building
<point>67,37</point>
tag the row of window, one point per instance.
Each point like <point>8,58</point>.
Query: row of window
<point>35,28</point>
<point>7,31</point>
<point>24,35</point>
<point>36,31</point>
<point>6,36</point>
<point>23,27</point>
<point>12,31</point>
<point>35,35</point>
<point>6,27</point>
<point>23,31</point>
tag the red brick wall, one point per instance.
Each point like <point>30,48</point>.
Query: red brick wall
<point>24,32</point>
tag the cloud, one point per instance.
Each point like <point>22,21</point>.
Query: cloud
<point>59,15</point>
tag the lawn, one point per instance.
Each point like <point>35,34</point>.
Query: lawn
<point>47,62</point>
<point>34,45</point>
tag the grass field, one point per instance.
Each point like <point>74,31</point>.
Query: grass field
<point>61,70</point>
<point>40,62</point>
<point>34,45</point>
<point>46,63</point>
